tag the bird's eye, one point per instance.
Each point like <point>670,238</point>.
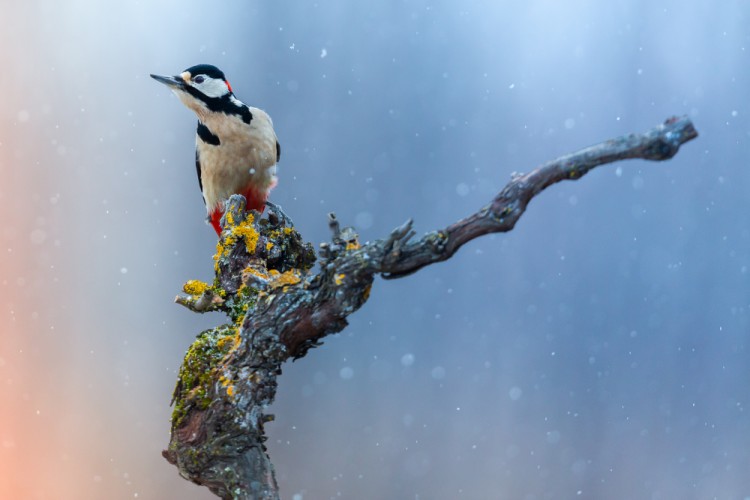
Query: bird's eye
<point>199,79</point>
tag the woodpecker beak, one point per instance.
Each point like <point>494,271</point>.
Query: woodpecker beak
<point>173,82</point>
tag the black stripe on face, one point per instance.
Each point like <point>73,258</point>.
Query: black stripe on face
<point>213,103</point>
<point>222,104</point>
<point>207,136</point>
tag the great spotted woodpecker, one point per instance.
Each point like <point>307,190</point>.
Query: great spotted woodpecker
<point>236,149</point>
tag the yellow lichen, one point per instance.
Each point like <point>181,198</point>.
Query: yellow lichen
<point>244,230</point>
<point>255,272</point>
<point>218,255</point>
<point>195,287</point>
<point>229,343</point>
<point>248,233</point>
<point>288,230</point>
<point>352,245</point>
<point>366,293</point>
<point>290,277</point>
<point>241,317</point>
<point>227,382</point>
<point>339,278</point>
<point>230,219</point>
<point>269,246</point>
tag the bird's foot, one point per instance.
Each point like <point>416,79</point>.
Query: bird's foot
<point>276,215</point>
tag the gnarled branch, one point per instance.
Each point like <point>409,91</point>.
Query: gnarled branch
<point>280,309</point>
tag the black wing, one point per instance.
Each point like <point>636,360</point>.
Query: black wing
<point>207,136</point>
<point>198,169</point>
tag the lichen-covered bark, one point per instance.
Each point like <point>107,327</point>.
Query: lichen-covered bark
<point>229,374</point>
<point>279,309</point>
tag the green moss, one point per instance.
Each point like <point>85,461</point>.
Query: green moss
<point>276,254</point>
<point>198,371</point>
<point>238,305</point>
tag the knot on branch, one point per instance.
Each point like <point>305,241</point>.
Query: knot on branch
<point>668,137</point>
<point>661,149</point>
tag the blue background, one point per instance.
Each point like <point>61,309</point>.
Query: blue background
<point>599,350</point>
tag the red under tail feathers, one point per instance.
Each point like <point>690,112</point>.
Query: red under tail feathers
<point>255,201</point>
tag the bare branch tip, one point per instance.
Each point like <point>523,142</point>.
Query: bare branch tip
<point>333,224</point>
<point>207,301</point>
<point>403,230</point>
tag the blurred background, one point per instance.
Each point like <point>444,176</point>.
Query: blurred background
<point>600,350</point>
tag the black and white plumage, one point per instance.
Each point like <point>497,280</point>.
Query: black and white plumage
<point>236,146</point>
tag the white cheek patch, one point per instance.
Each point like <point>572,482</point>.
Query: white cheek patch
<point>212,87</point>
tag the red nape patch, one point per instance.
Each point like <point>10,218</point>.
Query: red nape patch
<point>228,86</point>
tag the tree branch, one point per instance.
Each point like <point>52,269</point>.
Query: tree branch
<point>502,213</point>
<point>280,309</point>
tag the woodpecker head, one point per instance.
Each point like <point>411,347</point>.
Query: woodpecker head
<point>202,88</point>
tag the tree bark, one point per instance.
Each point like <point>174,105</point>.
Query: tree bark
<point>279,308</point>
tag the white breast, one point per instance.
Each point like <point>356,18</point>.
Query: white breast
<point>246,156</point>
